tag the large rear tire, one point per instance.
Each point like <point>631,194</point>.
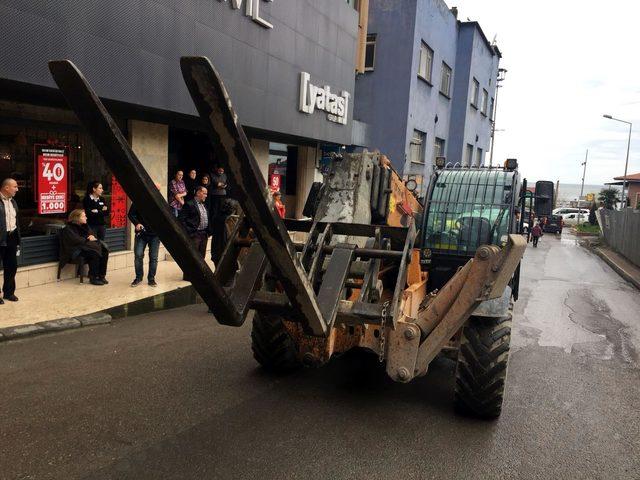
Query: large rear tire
<point>481,369</point>
<point>272,345</point>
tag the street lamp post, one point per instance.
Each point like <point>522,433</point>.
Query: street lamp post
<point>501,74</point>
<point>584,171</point>
<point>626,163</point>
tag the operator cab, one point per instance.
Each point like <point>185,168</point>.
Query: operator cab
<point>466,207</point>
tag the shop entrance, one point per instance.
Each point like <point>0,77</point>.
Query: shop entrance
<point>189,150</point>
<point>283,172</point>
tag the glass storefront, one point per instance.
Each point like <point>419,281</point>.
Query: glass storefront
<point>21,139</point>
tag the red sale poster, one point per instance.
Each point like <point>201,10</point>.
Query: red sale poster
<point>51,165</point>
<point>118,204</point>
<point>274,182</point>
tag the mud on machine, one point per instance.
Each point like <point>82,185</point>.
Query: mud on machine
<point>361,278</point>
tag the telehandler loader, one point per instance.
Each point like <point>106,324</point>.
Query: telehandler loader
<point>377,269</point>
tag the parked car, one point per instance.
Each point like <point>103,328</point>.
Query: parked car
<point>573,218</point>
<point>567,210</point>
<point>554,224</point>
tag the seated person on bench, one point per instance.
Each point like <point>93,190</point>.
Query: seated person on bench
<point>77,239</point>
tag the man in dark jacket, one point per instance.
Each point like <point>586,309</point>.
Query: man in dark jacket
<point>191,182</point>
<point>195,219</point>
<point>217,213</point>
<point>9,237</point>
<point>218,191</point>
<point>145,236</point>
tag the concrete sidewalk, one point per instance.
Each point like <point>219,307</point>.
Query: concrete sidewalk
<point>619,263</point>
<point>70,304</point>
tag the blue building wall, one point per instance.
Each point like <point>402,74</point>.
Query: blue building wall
<point>394,101</point>
<point>476,59</point>
<point>381,97</point>
<point>429,110</point>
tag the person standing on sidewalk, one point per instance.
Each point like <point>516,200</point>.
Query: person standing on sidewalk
<point>536,233</point>
<point>177,192</point>
<point>191,182</point>
<point>95,207</point>
<point>9,237</point>
<point>218,191</point>
<point>279,207</point>
<point>145,236</point>
<point>195,219</point>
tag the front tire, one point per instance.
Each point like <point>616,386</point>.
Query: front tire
<point>272,346</point>
<point>481,369</point>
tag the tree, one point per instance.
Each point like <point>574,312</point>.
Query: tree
<point>592,214</point>
<point>609,196</point>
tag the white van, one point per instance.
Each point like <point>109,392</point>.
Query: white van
<point>566,210</point>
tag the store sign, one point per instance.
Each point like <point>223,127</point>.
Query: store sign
<point>275,180</point>
<point>321,98</point>
<point>51,165</point>
<point>252,9</point>
<point>118,204</point>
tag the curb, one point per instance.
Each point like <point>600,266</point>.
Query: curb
<point>179,297</point>
<point>616,267</point>
<point>68,323</point>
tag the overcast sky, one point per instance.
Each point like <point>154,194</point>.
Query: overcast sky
<point>568,62</point>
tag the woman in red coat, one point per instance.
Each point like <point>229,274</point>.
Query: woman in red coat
<point>536,233</point>
<point>279,206</point>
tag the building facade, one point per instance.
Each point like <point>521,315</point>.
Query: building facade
<point>474,93</point>
<point>289,66</point>
<point>417,93</point>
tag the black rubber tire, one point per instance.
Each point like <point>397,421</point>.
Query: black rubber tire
<point>481,369</point>
<point>272,345</point>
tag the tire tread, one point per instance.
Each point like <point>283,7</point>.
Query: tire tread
<point>482,366</point>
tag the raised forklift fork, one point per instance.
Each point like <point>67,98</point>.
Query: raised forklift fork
<point>228,293</point>
<point>231,147</point>
<point>139,186</point>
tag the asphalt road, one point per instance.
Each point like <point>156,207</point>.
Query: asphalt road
<point>173,395</point>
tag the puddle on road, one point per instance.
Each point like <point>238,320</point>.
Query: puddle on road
<point>594,315</point>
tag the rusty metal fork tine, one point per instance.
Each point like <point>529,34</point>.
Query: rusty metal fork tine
<point>139,186</point>
<point>231,147</point>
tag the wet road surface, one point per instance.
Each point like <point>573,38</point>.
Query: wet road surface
<point>174,395</point>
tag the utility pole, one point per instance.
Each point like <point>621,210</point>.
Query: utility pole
<point>626,163</point>
<point>501,74</point>
<point>584,171</point>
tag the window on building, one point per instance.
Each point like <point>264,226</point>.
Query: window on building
<point>370,53</point>
<point>485,101</point>
<point>475,88</point>
<point>468,160</point>
<point>425,67</point>
<point>491,109</point>
<point>438,149</point>
<point>417,146</point>
<point>445,83</point>
<point>18,143</point>
<point>479,159</point>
